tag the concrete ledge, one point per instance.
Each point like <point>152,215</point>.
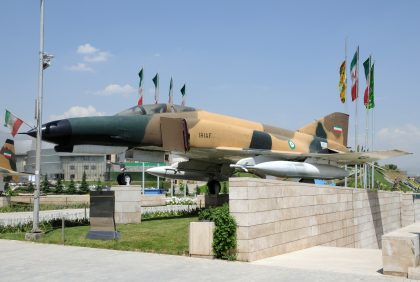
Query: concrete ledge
<point>152,200</point>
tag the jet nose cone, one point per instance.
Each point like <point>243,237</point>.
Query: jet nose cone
<point>31,132</point>
<point>58,131</point>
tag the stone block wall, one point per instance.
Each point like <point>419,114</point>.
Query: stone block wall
<point>277,217</point>
<point>53,199</point>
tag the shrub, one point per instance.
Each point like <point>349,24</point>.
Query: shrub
<point>224,236</point>
<point>45,226</point>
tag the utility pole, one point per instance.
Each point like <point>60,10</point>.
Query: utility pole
<point>44,62</point>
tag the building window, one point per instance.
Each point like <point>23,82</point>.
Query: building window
<point>71,176</point>
<point>93,167</point>
<point>86,167</point>
<point>72,167</point>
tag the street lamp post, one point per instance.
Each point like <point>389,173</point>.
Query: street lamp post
<point>44,62</point>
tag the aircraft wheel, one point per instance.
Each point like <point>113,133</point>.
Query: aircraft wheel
<point>124,179</point>
<point>214,187</point>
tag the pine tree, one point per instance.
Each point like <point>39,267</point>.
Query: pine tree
<point>45,185</point>
<point>84,187</point>
<point>72,188</point>
<point>31,188</point>
<point>59,188</point>
<point>99,185</point>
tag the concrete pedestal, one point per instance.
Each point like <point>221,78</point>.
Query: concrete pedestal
<point>201,239</point>
<point>400,251</point>
<point>127,204</point>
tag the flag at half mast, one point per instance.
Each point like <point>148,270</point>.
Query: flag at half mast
<point>156,83</point>
<point>342,84</point>
<point>140,101</point>
<point>171,99</point>
<point>183,92</point>
<point>13,122</point>
<point>354,75</point>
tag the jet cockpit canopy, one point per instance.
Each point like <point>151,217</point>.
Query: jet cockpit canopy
<point>155,109</point>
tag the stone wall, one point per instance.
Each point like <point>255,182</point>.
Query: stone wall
<point>53,199</point>
<point>277,217</point>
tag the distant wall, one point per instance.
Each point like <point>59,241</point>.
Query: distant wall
<point>53,199</point>
<point>277,217</point>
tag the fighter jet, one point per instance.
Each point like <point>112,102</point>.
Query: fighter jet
<point>213,146</point>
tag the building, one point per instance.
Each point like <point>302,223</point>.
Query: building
<point>68,165</point>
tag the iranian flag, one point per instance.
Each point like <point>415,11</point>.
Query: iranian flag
<point>366,66</point>
<point>7,154</point>
<point>354,75</point>
<point>140,101</point>
<point>13,122</point>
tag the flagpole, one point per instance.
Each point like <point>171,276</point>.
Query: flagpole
<point>345,59</point>
<point>373,134</point>
<point>345,103</point>
<point>355,122</point>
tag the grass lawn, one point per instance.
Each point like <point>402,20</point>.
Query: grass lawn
<point>166,236</point>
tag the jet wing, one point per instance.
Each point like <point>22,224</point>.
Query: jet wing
<point>349,158</point>
<point>8,172</point>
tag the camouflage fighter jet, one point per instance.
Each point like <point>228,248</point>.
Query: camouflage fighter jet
<point>214,145</point>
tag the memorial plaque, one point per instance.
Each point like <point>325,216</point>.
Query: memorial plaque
<point>102,219</point>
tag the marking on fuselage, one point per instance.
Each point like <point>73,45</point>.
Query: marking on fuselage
<point>205,135</point>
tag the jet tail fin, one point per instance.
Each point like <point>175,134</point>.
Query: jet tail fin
<point>7,155</point>
<point>333,127</point>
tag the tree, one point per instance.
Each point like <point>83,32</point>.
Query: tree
<point>45,185</point>
<point>84,187</point>
<point>31,188</point>
<point>187,192</point>
<point>59,189</point>
<point>99,185</point>
<point>72,188</point>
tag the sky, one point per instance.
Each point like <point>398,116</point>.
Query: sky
<point>274,62</point>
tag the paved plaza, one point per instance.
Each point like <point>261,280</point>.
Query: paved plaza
<point>26,261</point>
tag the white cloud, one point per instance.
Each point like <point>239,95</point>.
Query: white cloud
<point>97,57</point>
<point>408,134</point>
<point>406,137</point>
<point>80,67</point>
<point>78,111</point>
<point>112,89</point>
<point>86,49</point>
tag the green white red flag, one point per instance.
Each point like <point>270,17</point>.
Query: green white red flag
<point>366,66</point>
<point>354,75</point>
<point>140,101</point>
<point>13,122</point>
<point>183,92</point>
